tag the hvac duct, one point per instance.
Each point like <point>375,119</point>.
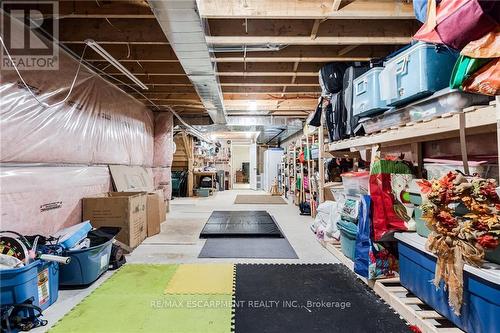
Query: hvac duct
<point>184,29</point>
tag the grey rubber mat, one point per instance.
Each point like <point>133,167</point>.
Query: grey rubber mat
<point>308,298</point>
<point>265,248</point>
<point>240,224</point>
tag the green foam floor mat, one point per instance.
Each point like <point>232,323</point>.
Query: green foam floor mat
<point>133,300</point>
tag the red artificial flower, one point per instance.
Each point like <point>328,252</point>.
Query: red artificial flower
<point>480,226</point>
<point>425,186</point>
<point>446,219</point>
<point>488,241</point>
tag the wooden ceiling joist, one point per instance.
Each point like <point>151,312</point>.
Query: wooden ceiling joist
<point>305,9</point>
<point>260,80</point>
<point>231,96</point>
<point>291,59</point>
<point>268,89</point>
<point>301,40</point>
<point>306,28</point>
<point>283,74</point>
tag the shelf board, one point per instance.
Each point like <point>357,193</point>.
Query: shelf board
<point>478,120</point>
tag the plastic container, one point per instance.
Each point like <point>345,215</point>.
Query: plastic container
<point>367,101</point>
<point>38,280</point>
<point>480,312</point>
<point>356,182</point>
<point>420,71</point>
<point>444,101</point>
<point>86,265</point>
<point>437,170</point>
<point>348,233</point>
<point>203,192</point>
<point>71,236</point>
<point>422,229</point>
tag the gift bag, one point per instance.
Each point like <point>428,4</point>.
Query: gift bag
<point>485,81</point>
<point>457,22</point>
<point>371,260</point>
<point>389,180</point>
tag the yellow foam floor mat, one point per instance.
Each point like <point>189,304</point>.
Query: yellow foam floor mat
<point>202,279</point>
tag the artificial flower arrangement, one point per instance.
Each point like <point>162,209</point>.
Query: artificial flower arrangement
<point>463,215</point>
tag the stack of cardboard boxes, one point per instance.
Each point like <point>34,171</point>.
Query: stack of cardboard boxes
<point>135,206</point>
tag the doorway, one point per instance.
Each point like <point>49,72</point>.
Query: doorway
<point>240,166</point>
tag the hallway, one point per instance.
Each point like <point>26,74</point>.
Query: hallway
<point>194,212</point>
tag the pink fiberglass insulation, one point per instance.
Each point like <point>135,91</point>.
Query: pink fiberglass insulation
<point>163,180</point>
<point>163,140</point>
<point>98,124</point>
<point>44,199</point>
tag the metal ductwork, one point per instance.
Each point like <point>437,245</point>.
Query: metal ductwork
<point>184,29</point>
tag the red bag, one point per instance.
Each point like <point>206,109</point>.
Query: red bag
<point>388,179</point>
<point>457,22</point>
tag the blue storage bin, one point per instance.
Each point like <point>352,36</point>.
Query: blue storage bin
<point>367,99</point>
<point>348,232</point>
<point>420,71</point>
<point>480,312</point>
<point>38,280</point>
<point>86,265</point>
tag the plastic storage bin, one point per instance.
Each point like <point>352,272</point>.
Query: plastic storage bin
<point>348,233</point>
<point>367,99</point>
<point>420,71</point>
<point>422,229</point>
<point>38,280</point>
<point>86,265</point>
<point>203,192</point>
<point>441,102</point>
<point>480,312</point>
<point>356,182</point>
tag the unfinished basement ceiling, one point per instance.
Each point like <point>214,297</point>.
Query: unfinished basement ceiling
<point>302,35</point>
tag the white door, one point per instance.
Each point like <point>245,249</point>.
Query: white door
<point>253,166</point>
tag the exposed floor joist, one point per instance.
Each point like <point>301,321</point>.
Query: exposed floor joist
<point>301,40</point>
<point>305,9</point>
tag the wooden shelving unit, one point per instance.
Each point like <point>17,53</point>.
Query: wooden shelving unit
<point>477,119</point>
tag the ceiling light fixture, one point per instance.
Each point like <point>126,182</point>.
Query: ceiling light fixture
<point>103,53</point>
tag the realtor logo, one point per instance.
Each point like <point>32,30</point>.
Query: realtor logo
<point>22,24</point>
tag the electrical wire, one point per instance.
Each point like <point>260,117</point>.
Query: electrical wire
<point>194,130</point>
<point>29,88</point>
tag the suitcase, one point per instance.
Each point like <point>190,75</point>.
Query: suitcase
<point>419,71</point>
<point>336,117</point>
<point>350,74</point>
<point>330,78</point>
<point>366,96</point>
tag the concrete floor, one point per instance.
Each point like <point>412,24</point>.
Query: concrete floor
<point>195,212</point>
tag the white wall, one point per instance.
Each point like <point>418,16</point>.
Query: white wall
<point>239,154</point>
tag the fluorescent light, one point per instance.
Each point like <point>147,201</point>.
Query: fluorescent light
<point>103,53</point>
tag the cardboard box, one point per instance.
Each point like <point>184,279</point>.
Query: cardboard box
<point>119,209</point>
<point>156,212</point>
<point>329,190</point>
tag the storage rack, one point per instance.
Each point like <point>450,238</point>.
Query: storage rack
<point>472,120</point>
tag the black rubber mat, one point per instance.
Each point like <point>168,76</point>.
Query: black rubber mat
<point>240,224</point>
<point>308,298</point>
<point>220,216</point>
<point>264,248</point>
